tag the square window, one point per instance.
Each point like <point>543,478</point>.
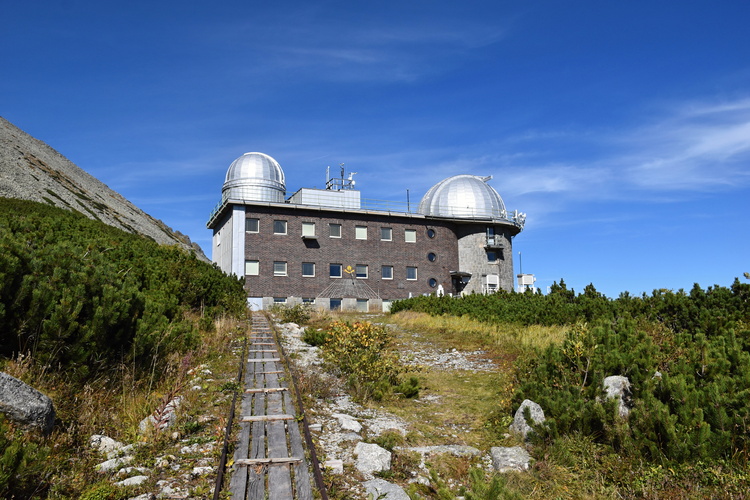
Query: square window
<point>360,232</point>
<point>279,268</point>
<point>491,257</point>
<point>252,225</point>
<point>308,269</point>
<point>252,268</point>
<point>410,235</point>
<point>386,233</point>
<point>411,273</point>
<point>361,271</point>
<point>335,271</point>
<point>335,230</point>
<point>279,227</point>
<point>308,229</point>
<point>335,304</point>
<point>386,272</point>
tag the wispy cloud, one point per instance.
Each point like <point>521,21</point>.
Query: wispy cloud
<point>701,147</point>
<point>377,50</point>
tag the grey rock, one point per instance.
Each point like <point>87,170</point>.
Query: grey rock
<point>334,466</point>
<point>383,490</point>
<point>145,496</point>
<point>618,387</point>
<point>167,417</point>
<point>107,446</point>
<point>201,471</point>
<point>347,422</point>
<point>132,481</point>
<point>452,449</point>
<point>506,459</point>
<point>371,458</point>
<point>24,404</point>
<point>519,425</point>
<point>114,464</point>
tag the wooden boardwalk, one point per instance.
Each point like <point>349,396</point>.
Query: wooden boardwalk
<point>269,459</point>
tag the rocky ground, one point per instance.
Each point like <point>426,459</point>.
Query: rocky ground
<point>343,429</point>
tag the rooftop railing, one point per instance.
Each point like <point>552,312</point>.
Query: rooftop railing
<point>401,207</point>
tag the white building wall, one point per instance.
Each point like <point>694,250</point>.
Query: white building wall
<point>238,242</point>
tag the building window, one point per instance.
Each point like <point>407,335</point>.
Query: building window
<point>308,269</point>
<point>279,268</point>
<point>363,305</point>
<point>279,227</point>
<point>335,270</point>
<point>433,282</point>
<point>360,232</point>
<point>410,235</point>
<point>361,271</point>
<point>432,256</point>
<point>386,233</point>
<point>335,230</point>
<point>335,304</point>
<point>252,268</point>
<point>411,273</point>
<point>491,256</point>
<point>308,229</point>
<point>308,300</point>
<point>279,300</point>
<point>386,272</point>
<point>431,233</point>
<point>252,225</point>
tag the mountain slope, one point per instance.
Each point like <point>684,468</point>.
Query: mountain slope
<point>32,170</point>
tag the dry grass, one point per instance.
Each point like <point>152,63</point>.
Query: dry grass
<point>468,334</point>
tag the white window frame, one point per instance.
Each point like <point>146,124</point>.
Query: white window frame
<point>280,221</point>
<point>358,268</point>
<point>257,225</point>
<point>360,232</point>
<point>341,270</point>
<point>410,235</point>
<point>250,266</point>
<point>277,266</point>
<point>331,227</point>
<point>308,229</point>
<point>416,273</point>
<point>389,233</point>
<point>382,275</point>
<point>313,270</point>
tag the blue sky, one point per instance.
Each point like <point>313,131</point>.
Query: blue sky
<point>622,129</point>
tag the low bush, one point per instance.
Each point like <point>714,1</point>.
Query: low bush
<point>362,353</point>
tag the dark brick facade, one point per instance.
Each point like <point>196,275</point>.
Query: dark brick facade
<point>267,247</point>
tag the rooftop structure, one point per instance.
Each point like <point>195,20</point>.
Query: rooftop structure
<point>306,247</point>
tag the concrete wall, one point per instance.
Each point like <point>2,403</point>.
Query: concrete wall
<point>473,257</point>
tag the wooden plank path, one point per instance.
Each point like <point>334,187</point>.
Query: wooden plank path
<point>269,460</point>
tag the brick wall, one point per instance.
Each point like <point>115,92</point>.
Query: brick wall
<point>267,247</point>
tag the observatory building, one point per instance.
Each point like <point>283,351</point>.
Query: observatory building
<point>332,248</point>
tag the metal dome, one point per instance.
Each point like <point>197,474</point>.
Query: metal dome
<point>463,197</point>
<point>255,177</point>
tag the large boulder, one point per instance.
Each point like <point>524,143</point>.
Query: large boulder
<point>25,405</point>
<point>618,387</point>
<point>519,425</point>
<point>372,458</point>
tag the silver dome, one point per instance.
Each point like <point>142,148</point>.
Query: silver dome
<point>254,177</point>
<point>463,196</point>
